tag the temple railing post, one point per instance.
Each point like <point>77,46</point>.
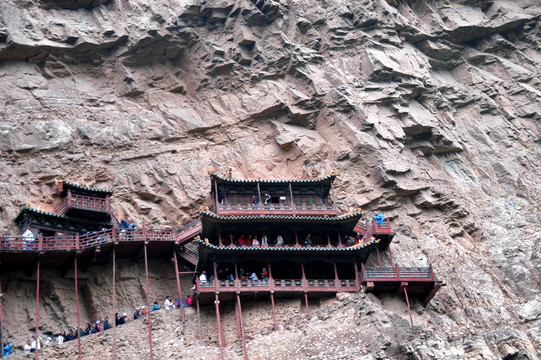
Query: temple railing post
<point>296,239</point>
<point>397,270</point>
<point>336,278</point>
<point>259,194</point>
<point>328,240</point>
<point>40,245</point>
<point>237,280</point>
<point>293,207</point>
<point>215,276</point>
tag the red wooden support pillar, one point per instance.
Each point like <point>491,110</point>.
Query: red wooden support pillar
<point>356,268</point>
<point>408,302</point>
<point>259,194</point>
<point>220,243</point>
<point>390,255</point>
<point>292,202</point>
<point>198,317</point>
<point>148,305</point>
<point>237,317</point>
<point>37,304</point>
<point>271,281</point>
<point>328,240</point>
<point>216,201</point>
<point>296,239</point>
<point>379,259</point>
<point>77,246</point>
<point>304,285</point>
<point>178,286</point>
<point>340,245</point>
<point>237,280</point>
<point>114,299</point>
<point>219,322</point>
<point>397,271</point>
<point>215,276</point>
<point>242,329</point>
<point>336,278</point>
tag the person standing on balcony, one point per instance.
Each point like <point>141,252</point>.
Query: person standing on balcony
<point>264,241</point>
<point>203,277</point>
<point>241,240</point>
<point>28,238</point>
<point>268,199</point>
<point>378,217</point>
<point>255,242</point>
<point>308,240</point>
<point>248,240</point>
<point>279,240</point>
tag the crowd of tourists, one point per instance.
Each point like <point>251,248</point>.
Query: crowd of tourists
<point>226,274</point>
<point>99,325</point>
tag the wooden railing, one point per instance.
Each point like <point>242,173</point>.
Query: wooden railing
<point>397,273</point>
<point>82,202</point>
<point>331,285</point>
<point>81,242</point>
<point>273,207</point>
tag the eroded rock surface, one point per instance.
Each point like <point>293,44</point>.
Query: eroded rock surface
<point>429,110</point>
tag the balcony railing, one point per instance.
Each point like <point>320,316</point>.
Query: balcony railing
<point>331,285</point>
<point>398,274</point>
<point>82,202</point>
<point>76,242</point>
<point>276,208</point>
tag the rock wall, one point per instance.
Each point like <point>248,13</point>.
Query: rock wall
<point>429,110</point>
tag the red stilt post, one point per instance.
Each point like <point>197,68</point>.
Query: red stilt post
<point>272,296</point>
<point>336,278</point>
<point>356,269</point>
<point>198,317</point>
<point>305,287</point>
<point>148,306</point>
<point>37,311</point>
<point>114,299</point>
<point>379,259</point>
<point>242,329</point>
<point>219,322</point>
<point>391,255</point>
<point>77,297</point>
<point>178,286</point>
<point>408,302</point>
<point>237,318</point>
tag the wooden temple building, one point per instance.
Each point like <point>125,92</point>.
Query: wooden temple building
<point>260,239</point>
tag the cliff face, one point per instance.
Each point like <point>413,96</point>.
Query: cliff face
<point>429,110</point>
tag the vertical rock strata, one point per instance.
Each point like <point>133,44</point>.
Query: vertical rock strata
<point>429,110</point>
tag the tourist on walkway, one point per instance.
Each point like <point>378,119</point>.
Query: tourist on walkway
<point>190,300</point>
<point>28,238</point>
<point>37,343</point>
<point>28,347</point>
<point>279,240</point>
<point>264,241</point>
<point>308,240</point>
<point>61,338</point>
<point>155,306</point>
<point>70,335</point>
<point>378,217</point>
<point>106,325</point>
<point>144,310</point>
<point>268,199</point>
<point>168,304</point>
<point>264,274</point>
<point>137,314</point>
<point>241,240</point>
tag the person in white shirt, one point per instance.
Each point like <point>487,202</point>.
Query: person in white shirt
<point>264,241</point>
<point>203,277</point>
<point>168,304</point>
<point>37,343</point>
<point>27,347</point>
<point>61,338</point>
<point>28,238</point>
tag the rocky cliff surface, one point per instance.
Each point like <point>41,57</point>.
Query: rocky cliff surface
<point>429,110</point>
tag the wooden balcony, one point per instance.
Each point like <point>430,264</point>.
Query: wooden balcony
<point>289,286</point>
<point>74,204</point>
<point>419,281</point>
<point>19,252</point>
<point>277,209</point>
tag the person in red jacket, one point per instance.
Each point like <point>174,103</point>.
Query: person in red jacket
<point>241,240</point>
